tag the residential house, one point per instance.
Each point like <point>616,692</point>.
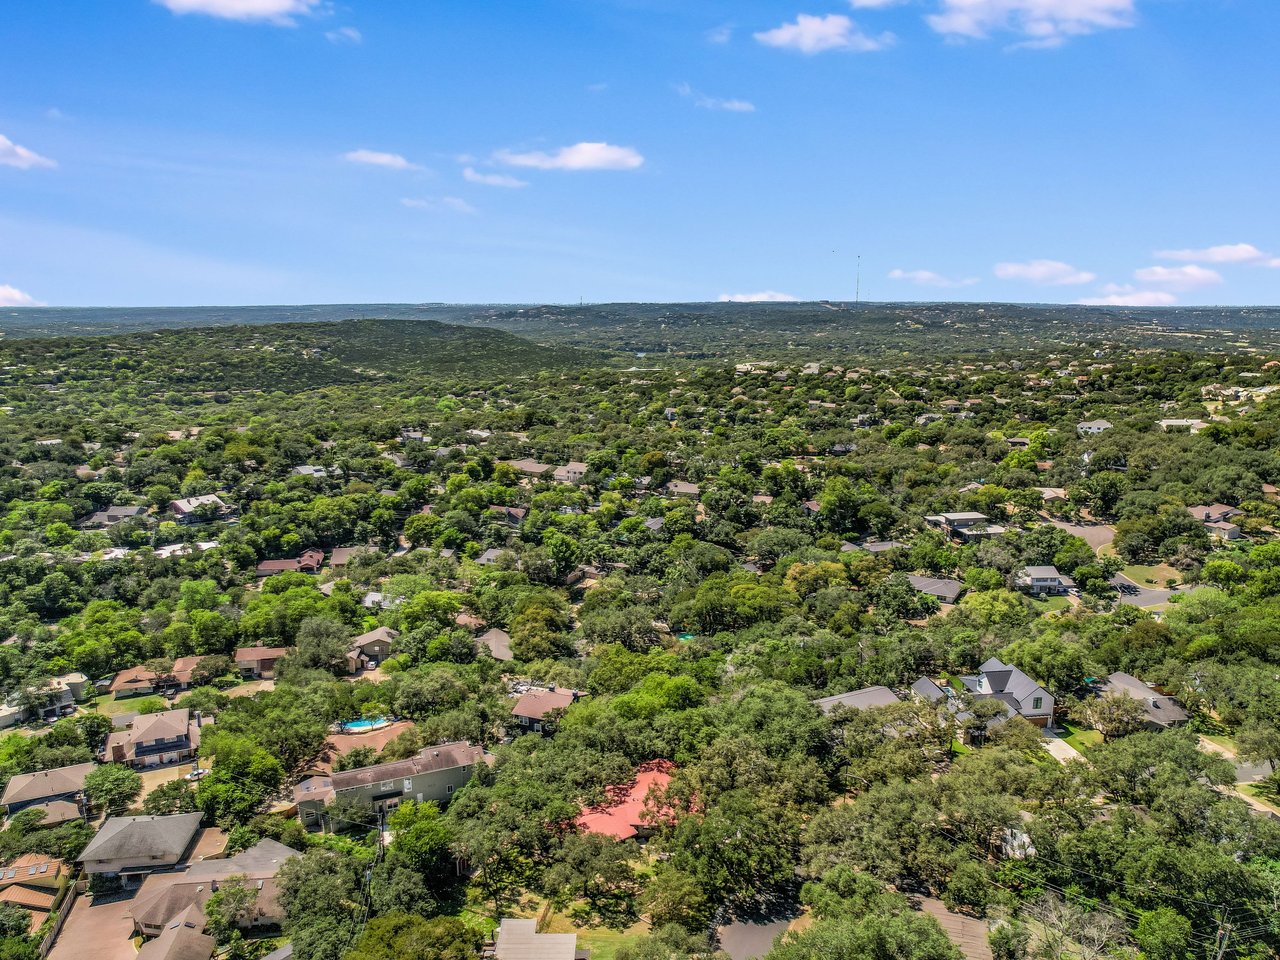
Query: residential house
<point>1162,712</point>
<point>431,774</point>
<point>1040,581</point>
<point>133,847</point>
<point>965,527</point>
<point>1217,520</point>
<point>511,516</point>
<point>112,516</point>
<point>627,810</point>
<point>259,663</point>
<point>1091,428</point>
<point>164,896</point>
<point>183,938</point>
<point>1052,494</point>
<point>153,739</point>
<point>863,699</point>
<point>529,467</point>
<point>57,793</point>
<point>342,556</point>
<point>309,561</point>
<point>873,546</point>
<point>497,643</point>
<point>531,711</point>
<point>60,696</point>
<point>1195,426</point>
<point>946,591</point>
<point>33,883</point>
<point>1012,687</point>
<point>654,524</point>
<point>490,556</point>
<point>370,649</point>
<point>135,682</point>
<point>520,940</point>
<point>682,488</point>
<point>201,509</point>
<point>571,472</point>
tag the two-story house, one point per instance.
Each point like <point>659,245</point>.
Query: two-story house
<point>370,649</point>
<point>133,847</point>
<point>430,774</point>
<point>1013,688</point>
<point>1040,581</point>
<point>57,793</point>
<point>153,739</point>
<point>965,527</point>
<point>535,706</point>
<point>571,472</point>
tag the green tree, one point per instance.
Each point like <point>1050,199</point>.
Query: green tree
<point>112,787</point>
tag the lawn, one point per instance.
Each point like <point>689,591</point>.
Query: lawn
<point>1081,739</point>
<point>1261,794</point>
<point>1152,576</point>
<point>602,941</point>
<point>1043,605</point>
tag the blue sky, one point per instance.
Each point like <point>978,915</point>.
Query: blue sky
<point>306,151</point>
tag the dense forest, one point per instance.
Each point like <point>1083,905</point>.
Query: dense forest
<point>717,550</point>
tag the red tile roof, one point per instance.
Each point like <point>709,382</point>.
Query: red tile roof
<point>621,816</point>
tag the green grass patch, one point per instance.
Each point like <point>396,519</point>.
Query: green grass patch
<point>1081,739</point>
<point>1043,605</point>
<point>1221,740</point>
<point>1263,793</point>
<point>1152,576</point>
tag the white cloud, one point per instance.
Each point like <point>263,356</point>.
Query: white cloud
<point>13,297</point>
<point>279,12</point>
<point>472,175</point>
<point>810,35</point>
<point>580,156</point>
<point>764,296</point>
<point>1115,295</point>
<point>454,204</point>
<point>1045,273</point>
<point>1179,278</point>
<point>927,278</point>
<point>376,158</point>
<point>720,34</point>
<point>715,103</point>
<point>345,35</point>
<point>1044,23</point>
<point>14,155</point>
<point>1226,253</point>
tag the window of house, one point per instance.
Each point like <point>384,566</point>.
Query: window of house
<point>387,785</point>
<point>1037,703</point>
<point>449,788</point>
<point>524,721</point>
<point>408,785</point>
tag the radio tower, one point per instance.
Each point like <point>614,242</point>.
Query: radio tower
<point>857,290</point>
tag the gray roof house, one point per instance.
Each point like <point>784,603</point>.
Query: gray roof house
<point>863,699</point>
<point>183,938</point>
<point>1162,712</point>
<point>520,940</point>
<point>947,591</point>
<point>430,774</point>
<point>58,792</point>
<point>1012,687</point>
<point>131,847</point>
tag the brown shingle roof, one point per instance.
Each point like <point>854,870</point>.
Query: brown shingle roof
<point>537,703</point>
<point>30,787</point>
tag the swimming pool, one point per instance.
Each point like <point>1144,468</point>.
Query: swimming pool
<point>365,726</point>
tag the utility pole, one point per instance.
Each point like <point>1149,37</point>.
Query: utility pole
<point>1224,936</point>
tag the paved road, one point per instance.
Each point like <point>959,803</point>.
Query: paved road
<point>1136,595</point>
<point>1245,772</point>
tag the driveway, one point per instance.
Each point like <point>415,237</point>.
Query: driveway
<point>1097,535</point>
<point>1245,772</point>
<point>96,930</point>
<point>1061,751</point>
<point>158,776</point>
<point>967,933</point>
<point>1137,595</point>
